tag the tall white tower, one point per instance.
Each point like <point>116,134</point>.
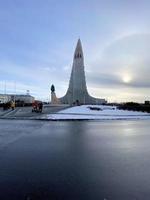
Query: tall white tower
<point>77,90</point>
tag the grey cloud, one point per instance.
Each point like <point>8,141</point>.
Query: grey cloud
<point>102,79</point>
<point>128,55</point>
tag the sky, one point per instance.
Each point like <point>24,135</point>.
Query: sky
<point>38,39</point>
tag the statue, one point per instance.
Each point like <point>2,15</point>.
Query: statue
<point>52,88</point>
<point>54,99</point>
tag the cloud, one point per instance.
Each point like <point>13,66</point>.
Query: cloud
<point>128,55</point>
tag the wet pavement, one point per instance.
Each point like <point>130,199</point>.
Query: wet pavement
<point>26,112</point>
<point>74,160</point>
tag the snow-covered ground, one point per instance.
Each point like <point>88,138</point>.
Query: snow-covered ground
<point>104,113</point>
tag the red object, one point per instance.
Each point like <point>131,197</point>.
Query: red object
<point>36,106</point>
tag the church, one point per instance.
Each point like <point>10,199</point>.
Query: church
<point>77,91</point>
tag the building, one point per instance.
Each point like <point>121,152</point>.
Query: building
<point>4,98</point>
<point>27,99</point>
<point>77,91</point>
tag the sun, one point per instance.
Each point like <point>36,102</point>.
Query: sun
<point>126,78</point>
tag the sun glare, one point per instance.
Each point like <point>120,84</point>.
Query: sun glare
<point>126,79</point>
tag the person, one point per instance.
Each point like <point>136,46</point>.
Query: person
<point>12,105</point>
<point>4,106</point>
<point>34,106</point>
<point>40,106</point>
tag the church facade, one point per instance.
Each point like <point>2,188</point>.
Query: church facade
<point>77,90</point>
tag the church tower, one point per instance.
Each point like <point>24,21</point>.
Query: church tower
<point>77,91</point>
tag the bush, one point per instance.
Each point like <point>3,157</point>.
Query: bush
<point>135,107</point>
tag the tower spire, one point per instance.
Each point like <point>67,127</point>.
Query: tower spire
<point>77,90</point>
<point>78,54</point>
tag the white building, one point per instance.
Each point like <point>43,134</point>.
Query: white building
<point>18,97</point>
<point>4,98</point>
<point>24,98</point>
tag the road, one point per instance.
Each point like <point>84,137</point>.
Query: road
<point>26,112</point>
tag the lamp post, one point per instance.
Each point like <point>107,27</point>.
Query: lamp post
<point>15,92</point>
<point>5,92</point>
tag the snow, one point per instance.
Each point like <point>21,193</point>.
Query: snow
<point>104,113</point>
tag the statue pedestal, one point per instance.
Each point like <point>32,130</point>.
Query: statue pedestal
<point>54,99</point>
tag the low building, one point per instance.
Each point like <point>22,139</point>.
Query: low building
<point>23,98</point>
<point>4,98</point>
<point>27,99</point>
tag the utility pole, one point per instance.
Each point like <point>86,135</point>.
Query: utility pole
<point>14,91</point>
<point>5,92</point>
